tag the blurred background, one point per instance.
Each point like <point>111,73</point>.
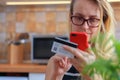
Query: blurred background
<point>19,19</point>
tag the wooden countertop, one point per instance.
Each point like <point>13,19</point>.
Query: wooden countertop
<point>34,68</point>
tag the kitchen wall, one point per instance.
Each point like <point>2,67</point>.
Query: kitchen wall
<point>45,19</point>
<point>40,19</point>
<point>116,7</point>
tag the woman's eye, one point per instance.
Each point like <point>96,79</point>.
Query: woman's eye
<point>92,20</point>
<point>80,19</point>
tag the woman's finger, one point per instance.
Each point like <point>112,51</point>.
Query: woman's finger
<point>72,50</point>
<point>83,56</point>
<point>78,55</point>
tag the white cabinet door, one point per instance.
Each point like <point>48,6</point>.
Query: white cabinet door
<point>12,78</point>
<point>36,76</point>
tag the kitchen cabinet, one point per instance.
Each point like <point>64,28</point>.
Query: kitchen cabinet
<point>36,76</point>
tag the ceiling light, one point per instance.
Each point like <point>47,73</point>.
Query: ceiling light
<point>37,2</point>
<point>44,2</point>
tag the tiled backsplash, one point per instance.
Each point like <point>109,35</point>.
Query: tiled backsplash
<point>38,19</point>
<point>117,31</point>
<point>42,19</point>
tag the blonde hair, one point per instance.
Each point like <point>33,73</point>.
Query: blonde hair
<point>107,25</point>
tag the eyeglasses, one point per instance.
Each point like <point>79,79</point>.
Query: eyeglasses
<point>79,21</point>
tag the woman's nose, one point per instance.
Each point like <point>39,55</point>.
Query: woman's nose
<point>85,25</point>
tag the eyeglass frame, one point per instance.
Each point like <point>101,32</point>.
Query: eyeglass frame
<point>85,20</point>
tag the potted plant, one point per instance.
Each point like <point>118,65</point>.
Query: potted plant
<point>108,69</point>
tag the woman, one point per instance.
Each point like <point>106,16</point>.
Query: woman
<point>92,17</point>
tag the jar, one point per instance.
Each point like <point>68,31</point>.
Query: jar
<point>16,53</point>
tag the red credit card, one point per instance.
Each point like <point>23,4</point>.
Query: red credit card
<point>80,38</point>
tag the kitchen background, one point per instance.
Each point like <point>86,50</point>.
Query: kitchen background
<point>36,19</point>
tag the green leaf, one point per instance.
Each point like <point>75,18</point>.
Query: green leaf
<point>109,69</point>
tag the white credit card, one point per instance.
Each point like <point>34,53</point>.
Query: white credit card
<point>57,47</point>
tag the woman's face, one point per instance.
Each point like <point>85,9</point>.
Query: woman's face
<point>84,10</point>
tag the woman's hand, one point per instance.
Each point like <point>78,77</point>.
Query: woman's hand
<point>81,58</point>
<point>56,67</point>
